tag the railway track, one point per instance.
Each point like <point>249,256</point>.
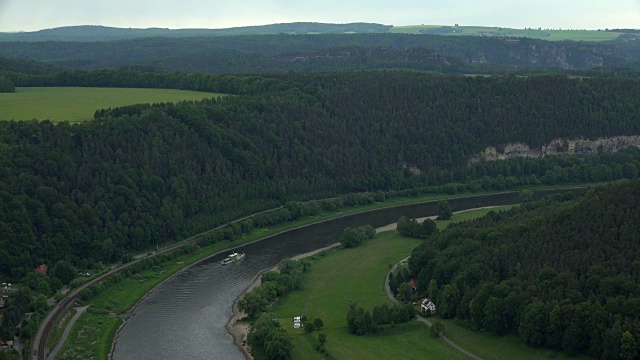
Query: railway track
<point>39,349</point>
<point>39,345</point>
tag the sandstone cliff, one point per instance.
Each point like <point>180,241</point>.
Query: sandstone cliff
<point>557,147</point>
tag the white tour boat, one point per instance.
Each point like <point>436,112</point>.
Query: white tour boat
<point>232,258</point>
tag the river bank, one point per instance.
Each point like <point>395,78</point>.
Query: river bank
<point>238,329</point>
<point>413,210</point>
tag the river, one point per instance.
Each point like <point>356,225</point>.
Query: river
<point>185,317</point>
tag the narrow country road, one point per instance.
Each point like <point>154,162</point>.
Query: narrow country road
<point>420,318</point>
<point>65,334</point>
<point>38,347</point>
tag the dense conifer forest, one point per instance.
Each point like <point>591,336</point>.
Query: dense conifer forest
<point>326,52</point>
<point>561,273</point>
<point>145,174</point>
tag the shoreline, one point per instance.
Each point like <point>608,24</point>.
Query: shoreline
<point>239,330</point>
<point>239,334</point>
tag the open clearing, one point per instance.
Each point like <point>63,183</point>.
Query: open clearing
<point>357,275</point>
<point>341,276</point>
<point>576,35</point>
<point>76,104</point>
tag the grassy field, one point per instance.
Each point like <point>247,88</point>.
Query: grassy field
<point>121,297</point>
<point>488,346</point>
<point>357,275</point>
<point>557,35</point>
<point>58,328</point>
<point>88,333</point>
<point>328,291</point>
<point>469,215</point>
<point>75,104</point>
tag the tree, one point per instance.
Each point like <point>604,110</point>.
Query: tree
<point>40,304</point>
<point>494,316</point>
<point>611,343</point>
<point>444,210</point>
<point>380,314</point>
<point>261,328</point>
<point>448,302</point>
<point>9,355</point>
<point>402,225</point>
<point>533,324</point>
<point>64,271</point>
<point>353,237</point>
<point>405,291</point>
<point>309,327</point>
<point>318,323</point>
<point>432,290</point>
<point>6,85</point>
<point>278,344</point>
<point>628,347</point>
<point>107,249</point>
<point>427,228</point>
<point>253,303</point>
<point>526,195</point>
<point>322,338</point>
<point>38,283</point>
<point>351,317</point>
<point>437,328</point>
<point>393,284</point>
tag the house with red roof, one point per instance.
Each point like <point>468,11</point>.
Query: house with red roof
<point>42,269</point>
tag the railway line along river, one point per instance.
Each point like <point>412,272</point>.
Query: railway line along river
<point>185,317</point>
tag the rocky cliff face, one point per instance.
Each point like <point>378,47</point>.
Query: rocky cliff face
<point>564,55</point>
<point>557,147</point>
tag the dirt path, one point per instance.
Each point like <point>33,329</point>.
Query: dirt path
<point>67,330</point>
<point>420,318</point>
<point>395,225</point>
<point>239,330</point>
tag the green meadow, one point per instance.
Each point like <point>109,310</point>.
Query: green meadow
<point>489,346</point>
<point>469,215</point>
<point>107,308</point>
<point>338,277</point>
<point>75,104</point>
<point>357,275</point>
<point>576,35</point>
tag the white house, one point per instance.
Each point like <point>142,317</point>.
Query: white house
<point>428,307</point>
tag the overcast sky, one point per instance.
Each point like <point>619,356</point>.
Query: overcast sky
<point>29,15</point>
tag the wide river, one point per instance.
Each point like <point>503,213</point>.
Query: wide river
<point>185,317</point>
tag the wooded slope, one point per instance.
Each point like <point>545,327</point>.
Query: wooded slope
<point>145,174</point>
<point>562,273</point>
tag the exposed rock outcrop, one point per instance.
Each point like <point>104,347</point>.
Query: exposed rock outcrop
<point>558,147</point>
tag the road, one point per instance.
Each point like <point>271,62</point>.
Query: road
<point>418,317</point>
<point>38,349</point>
<point>65,334</point>
<point>421,319</point>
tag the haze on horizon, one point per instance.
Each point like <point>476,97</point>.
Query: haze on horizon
<point>31,15</point>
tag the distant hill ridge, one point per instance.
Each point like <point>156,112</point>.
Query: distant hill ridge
<point>104,33</point>
<point>89,33</point>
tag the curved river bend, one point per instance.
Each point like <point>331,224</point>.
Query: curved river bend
<point>185,317</point>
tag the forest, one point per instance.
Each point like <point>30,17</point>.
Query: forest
<point>91,33</point>
<point>326,52</point>
<point>79,196</point>
<point>138,175</point>
<point>561,273</point>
